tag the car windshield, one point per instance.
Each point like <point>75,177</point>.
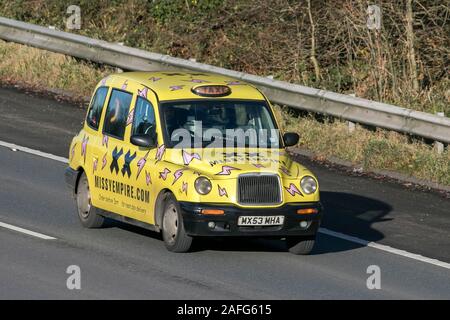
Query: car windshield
<point>219,123</point>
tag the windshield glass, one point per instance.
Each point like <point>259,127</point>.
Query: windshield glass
<point>219,123</point>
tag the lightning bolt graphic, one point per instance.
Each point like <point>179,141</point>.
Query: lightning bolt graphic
<point>104,160</point>
<point>148,179</point>
<point>94,165</point>
<point>285,171</point>
<point>105,140</point>
<point>103,82</point>
<point>164,173</point>
<point>143,92</point>
<point>292,189</point>
<point>141,164</point>
<point>177,174</point>
<point>184,187</point>
<point>188,157</point>
<point>222,192</point>
<point>72,152</point>
<point>160,152</point>
<point>173,88</point>
<point>130,117</point>
<point>258,165</point>
<point>226,171</point>
<point>84,147</point>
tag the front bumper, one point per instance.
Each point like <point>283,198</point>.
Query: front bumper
<point>196,223</point>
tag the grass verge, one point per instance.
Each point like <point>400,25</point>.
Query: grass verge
<point>380,149</point>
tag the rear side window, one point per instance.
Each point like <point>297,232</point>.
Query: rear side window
<point>117,114</point>
<point>144,117</point>
<point>95,110</point>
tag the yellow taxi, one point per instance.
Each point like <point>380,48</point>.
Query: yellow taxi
<point>190,154</point>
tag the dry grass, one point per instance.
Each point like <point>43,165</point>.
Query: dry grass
<point>376,150</point>
<point>43,69</point>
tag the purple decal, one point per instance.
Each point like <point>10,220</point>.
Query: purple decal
<point>103,82</point>
<point>285,171</point>
<point>94,165</point>
<point>177,174</point>
<point>226,171</point>
<point>72,152</point>
<point>130,117</point>
<point>84,147</point>
<point>184,187</point>
<point>233,83</point>
<point>104,160</point>
<point>105,140</point>
<point>164,173</point>
<point>141,164</point>
<point>188,157</point>
<point>160,152</point>
<point>292,189</point>
<point>148,179</point>
<point>197,81</point>
<point>154,79</point>
<point>258,165</point>
<point>143,92</point>
<point>222,192</point>
<point>173,88</point>
<point>125,85</point>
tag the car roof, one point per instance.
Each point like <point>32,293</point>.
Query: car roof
<point>174,85</point>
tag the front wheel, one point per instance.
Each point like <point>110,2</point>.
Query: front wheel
<point>300,245</point>
<point>173,233</point>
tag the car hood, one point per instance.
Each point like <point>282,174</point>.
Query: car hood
<point>221,164</point>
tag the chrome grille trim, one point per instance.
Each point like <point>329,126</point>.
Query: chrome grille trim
<point>259,189</point>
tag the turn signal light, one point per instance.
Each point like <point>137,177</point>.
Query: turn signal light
<point>307,211</point>
<point>212,211</point>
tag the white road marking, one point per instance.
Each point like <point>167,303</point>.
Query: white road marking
<point>321,230</point>
<point>15,147</point>
<point>28,232</point>
<point>385,248</point>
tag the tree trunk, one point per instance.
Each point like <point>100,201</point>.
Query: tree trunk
<point>313,43</point>
<point>410,45</point>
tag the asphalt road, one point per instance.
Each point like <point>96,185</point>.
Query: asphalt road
<point>128,262</point>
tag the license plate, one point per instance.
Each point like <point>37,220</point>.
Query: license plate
<point>260,220</point>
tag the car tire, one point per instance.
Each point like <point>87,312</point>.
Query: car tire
<point>87,213</point>
<point>300,245</point>
<point>173,232</point>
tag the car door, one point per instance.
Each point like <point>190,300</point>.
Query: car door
<point>143,170</point>
<point>91,134</point>
<point>111,189</point>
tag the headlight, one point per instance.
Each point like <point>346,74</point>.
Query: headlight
<point>203,185</point>
<point>308,184</point>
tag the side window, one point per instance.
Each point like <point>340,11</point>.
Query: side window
<point>95,110</point>
<point>117,113</point>
<point>144,117</point>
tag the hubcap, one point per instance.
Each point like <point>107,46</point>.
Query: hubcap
<point>170,223</point>
<point>84,199</point>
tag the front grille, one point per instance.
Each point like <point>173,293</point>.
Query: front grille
<point>259,189</point>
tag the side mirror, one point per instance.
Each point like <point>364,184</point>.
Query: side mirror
<point>290,139</point>
<point>143,140</point>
